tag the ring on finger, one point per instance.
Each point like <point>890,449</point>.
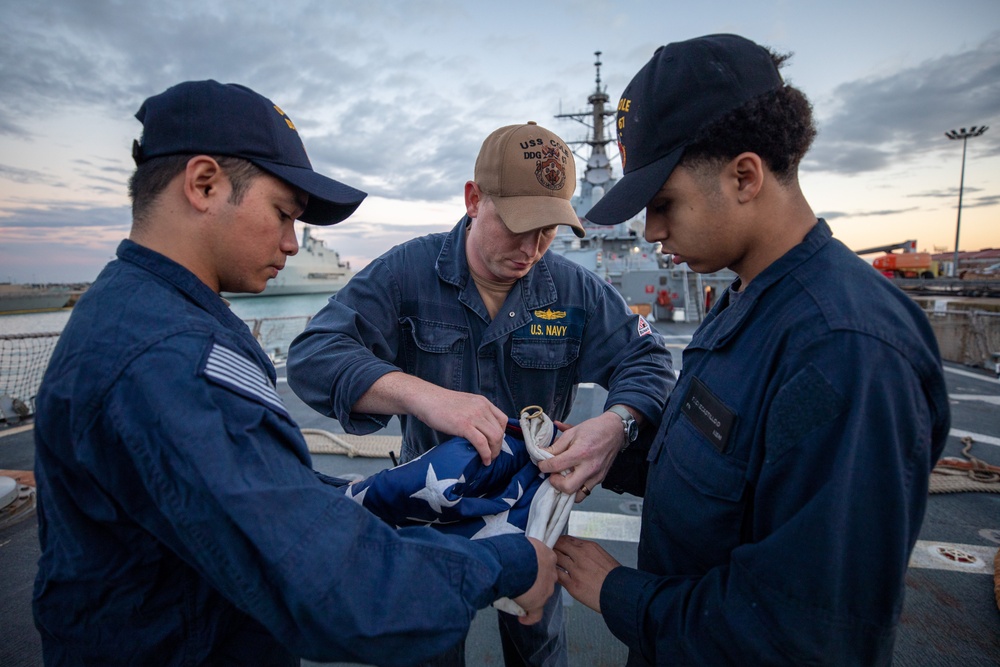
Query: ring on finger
<point>585,490</point>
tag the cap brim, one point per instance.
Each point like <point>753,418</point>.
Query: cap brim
<point>523,214</point>
<point>330,201</point>
<point>634,191</point>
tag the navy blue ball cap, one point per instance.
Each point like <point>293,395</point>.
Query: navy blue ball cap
<point>212,118</point>
<point>684,87</point>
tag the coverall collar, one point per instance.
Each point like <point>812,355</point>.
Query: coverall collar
<point>194,289</point>
<point>715,331</point>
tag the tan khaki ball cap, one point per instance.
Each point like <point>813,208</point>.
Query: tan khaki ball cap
<point>530,176</point>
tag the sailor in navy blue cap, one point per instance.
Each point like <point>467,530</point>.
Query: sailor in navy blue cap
<point>180,520</point>
<point>234,121</point>
<point>789,476</point>
<point>231,138</point>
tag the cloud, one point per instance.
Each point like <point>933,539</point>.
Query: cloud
<point>360,241</point>
<point>988,200</point>
<point>833,215</point>
<point>395,98</point>
<point>897,118</point>
<point>378,105</point>
<point>61,243</point>
<point>24,176</point>
<point>948,193</point>
<point>66,215</point>
<point>969,197</point>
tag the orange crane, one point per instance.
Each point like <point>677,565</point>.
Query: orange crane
<point>906,264</point>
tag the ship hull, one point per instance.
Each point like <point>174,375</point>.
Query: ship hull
<point>292,289</point>
<point>315,269</point>
<point>12,304</point>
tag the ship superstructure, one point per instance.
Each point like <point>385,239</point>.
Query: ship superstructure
<point>314,269</point>
<point>619,254</point>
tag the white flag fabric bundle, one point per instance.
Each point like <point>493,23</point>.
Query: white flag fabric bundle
<point>449,488</point>
<point>550,508</point>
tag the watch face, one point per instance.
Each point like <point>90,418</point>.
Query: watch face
<point>633,431</point>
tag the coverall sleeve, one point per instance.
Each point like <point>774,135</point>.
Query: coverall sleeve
<point>352,342</point>
<point>833,515</point>
<point>222,478</point>
<point>623,353</point>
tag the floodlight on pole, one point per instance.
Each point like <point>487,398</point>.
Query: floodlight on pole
<point>964,135</point>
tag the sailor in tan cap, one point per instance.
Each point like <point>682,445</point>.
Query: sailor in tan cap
<point>455,332</point>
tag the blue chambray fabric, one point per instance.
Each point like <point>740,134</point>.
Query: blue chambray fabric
<point>416,309</point>
<point>787,541</point>
<point>181,523</point>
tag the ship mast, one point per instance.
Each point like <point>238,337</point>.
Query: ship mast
<point>597,176</point>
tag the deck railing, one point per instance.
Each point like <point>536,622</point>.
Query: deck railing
<point>968,337</point>
<point>24,357</point>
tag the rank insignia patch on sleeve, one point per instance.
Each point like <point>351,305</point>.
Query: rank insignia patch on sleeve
<point>232,370</point>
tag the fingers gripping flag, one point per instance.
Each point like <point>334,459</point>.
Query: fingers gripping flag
<point>449,488</point>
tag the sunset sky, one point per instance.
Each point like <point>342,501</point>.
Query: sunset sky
<point>396,97</point>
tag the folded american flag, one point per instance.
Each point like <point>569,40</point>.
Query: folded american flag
<point>448,487</point>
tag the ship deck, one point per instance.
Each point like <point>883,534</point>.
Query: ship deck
<point>950,615</point>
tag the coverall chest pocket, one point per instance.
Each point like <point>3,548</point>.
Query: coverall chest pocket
<point>702,492</point>
<point>435,351</point>
<point>543,369</point>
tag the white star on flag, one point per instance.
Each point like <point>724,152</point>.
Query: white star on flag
<point>496,525</point>
<point>495,499</point>
<point>513,501</point>
<point>358,498</point>
<point>433,491</point>
<point>504,447</point>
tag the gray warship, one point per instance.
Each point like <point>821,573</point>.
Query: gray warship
<point>315,269</point>
<point>648,280</point>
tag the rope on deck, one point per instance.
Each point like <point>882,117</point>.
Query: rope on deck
<point>373,446</point>
<point>952,475</point>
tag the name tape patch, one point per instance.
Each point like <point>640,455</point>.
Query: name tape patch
<point>708,414</point>
<point>554,323</point>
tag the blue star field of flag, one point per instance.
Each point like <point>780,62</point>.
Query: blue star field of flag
<point>449,488</point>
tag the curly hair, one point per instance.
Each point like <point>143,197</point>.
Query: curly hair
<point>778,126</point>
<point>153,176</point>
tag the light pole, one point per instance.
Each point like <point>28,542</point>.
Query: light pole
<point>964,135</point>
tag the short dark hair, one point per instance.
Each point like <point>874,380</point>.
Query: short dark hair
<point>152,177</point>
<point>778,126</point>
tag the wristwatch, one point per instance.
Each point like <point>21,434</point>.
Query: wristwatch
<point>629,424</point>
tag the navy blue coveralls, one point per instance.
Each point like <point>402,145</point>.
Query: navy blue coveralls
<point>180,520</point>
<point>789,476</point>
<point>417,309</point>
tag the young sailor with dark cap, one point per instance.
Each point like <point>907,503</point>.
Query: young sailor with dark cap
<point>455,331</point>
<point>788,480</point>
<point>179,518</point>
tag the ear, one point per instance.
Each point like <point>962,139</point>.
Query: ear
<point>748,169</point>
<point>473,196</point>
<point>203,181</point>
